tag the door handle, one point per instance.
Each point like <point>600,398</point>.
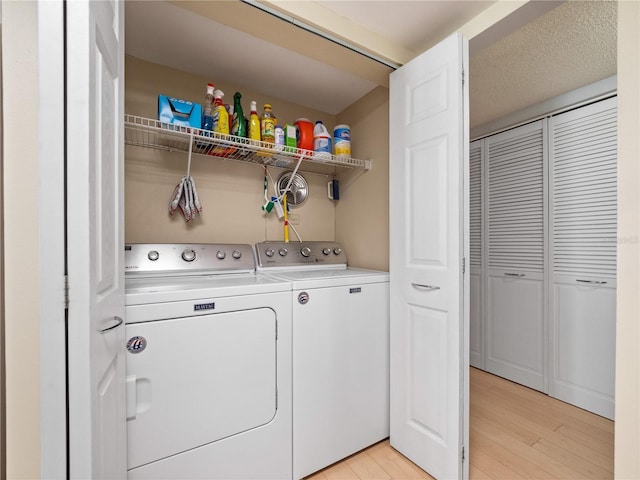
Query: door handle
<point>420,286</point>
<point>517,275</point>
<point>593,282</point>
<point>118,321</point>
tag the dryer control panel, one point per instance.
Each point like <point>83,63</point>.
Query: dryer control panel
<point>164,259</point>
<point>300,254</point>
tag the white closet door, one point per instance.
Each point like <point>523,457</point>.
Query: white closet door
<point>95,245</point>
<point>516,342</point>
<point>428,165</point>
<point>476,335</point>
<point>584,152</point>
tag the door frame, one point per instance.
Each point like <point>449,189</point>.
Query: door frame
<point>52,227</point>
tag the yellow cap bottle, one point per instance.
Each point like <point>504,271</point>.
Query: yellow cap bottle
<point>268,125</point>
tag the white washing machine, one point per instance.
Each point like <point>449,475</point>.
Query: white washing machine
<point>208,364</point>
<point>340,351</point>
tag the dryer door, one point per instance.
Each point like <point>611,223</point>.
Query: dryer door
<point>197,380</point>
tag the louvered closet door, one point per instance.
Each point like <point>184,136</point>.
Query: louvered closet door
<point>584,159</point>
<point>516,227</point>
<point>476,340</point>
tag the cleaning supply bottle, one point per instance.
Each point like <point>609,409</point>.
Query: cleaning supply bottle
<point>321,141</point>
<point>254,123</point>
<point>207,118</point>
<point>220,114</point>
<point>304,134</point>
<point>268,125</point>
<point>239,127</point>
<point>342,141</point>
<point>279,138</point>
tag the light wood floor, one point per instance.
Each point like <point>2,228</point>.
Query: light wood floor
<point>515,433</point>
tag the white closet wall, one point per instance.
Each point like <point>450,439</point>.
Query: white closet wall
<point>543,255</point>
<point>584,193</point>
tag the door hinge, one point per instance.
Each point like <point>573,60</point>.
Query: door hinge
<point>276,330</point>
<point>66,292</point>
<point>464,265</point>
<point>463,77</point>
<point>463,457</point>
<point>276,399</point>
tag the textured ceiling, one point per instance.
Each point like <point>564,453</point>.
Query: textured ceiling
<point>567,48</point>
<point>416,25</point>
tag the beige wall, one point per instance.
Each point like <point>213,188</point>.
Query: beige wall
<point>20,209</point>
<point>362,214</point>
<point>627,435</point>
<point>231,192</point>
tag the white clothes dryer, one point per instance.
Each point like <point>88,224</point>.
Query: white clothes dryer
<point>340,351</point>
<point>208,364</point>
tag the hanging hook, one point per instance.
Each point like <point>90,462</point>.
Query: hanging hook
<point>190,151</point>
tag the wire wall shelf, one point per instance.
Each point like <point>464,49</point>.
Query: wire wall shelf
<point>149,133</point>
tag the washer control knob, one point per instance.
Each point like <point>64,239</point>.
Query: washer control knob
<point>221,254</point>
<point>189,255</point>
<point>303,298</point>
<point>236,254</point>
<point>326,250</point>
<point>269,252</point>
<point>337,251</point>
<point>283,252</point>
<point>305,251</point>
<point>153,255</point>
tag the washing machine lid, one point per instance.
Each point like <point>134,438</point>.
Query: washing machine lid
<point>322,278</point>
<point>139,291</point>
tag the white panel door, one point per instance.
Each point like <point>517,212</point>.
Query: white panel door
<point>584,241</point>
<point>95,249</point>
<point>429,294</point>
<point>516,217</point>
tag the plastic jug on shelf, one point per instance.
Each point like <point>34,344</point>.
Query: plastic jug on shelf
<point>304,133</point>
<point>321,141</point>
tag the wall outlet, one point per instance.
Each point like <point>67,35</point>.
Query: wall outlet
<point>294,218</point>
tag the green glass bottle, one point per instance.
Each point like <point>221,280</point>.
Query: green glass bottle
<point>238,127</point>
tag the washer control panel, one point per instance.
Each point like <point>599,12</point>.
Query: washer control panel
<point>156,259</point>
<point>299,254</point>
